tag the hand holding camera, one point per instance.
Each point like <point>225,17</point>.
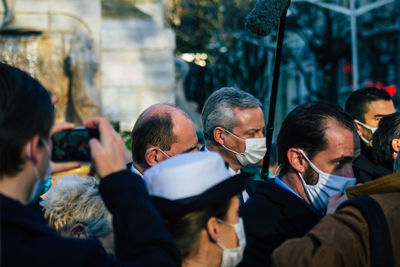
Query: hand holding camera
<point>107,151</point>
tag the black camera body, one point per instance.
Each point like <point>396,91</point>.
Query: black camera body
<point>73,145</point>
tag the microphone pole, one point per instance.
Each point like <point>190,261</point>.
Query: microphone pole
<point>274,92</point>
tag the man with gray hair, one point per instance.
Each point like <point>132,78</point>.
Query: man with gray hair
<point>74,208</point>
<point>233,126</point>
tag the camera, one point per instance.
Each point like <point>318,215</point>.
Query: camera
<point>73,145</point>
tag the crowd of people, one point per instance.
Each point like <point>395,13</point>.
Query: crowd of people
<point>335,200</point>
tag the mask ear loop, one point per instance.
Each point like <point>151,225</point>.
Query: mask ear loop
<point>46,145</point>
<point>231,150</point>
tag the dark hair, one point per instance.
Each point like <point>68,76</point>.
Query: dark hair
<point>304,128</point>
<point>152,130</point>
<point>25,110</point>
<point>357,103</point>
<point>388,129</point>
<point>186,229</point>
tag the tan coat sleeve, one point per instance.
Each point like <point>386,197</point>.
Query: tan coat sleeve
<point>341,239</point>
<point>390,204</point>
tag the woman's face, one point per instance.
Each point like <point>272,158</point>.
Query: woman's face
<point>228,236</point>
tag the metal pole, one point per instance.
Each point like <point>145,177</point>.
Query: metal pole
<point>274,91</point>
<point>398,44</point>
<point>354,45</point>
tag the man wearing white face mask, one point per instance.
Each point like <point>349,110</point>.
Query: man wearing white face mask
<point>316,146</point>
<point>367,107</point>
<point>233,125</point>
<point>160,132</point>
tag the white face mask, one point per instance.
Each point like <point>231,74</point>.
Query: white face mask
<point>40,183</point>
<point>373,130</point>
<point>327,186</point>
<point>233,256</point>
<point>254,152</point>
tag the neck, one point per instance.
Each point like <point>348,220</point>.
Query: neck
<point>17,187</point>
<point>227,156</point>
<point>139,168</point>
<point>292,180</point>
<point>205,253</point>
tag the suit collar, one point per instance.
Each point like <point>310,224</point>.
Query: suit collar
<point>287,201</point>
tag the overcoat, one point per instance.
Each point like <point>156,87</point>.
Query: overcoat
<point>343,238</point>
<point>140,236</point>
<point>271,216</point>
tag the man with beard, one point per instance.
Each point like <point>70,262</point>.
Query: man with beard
<point>316,146</point>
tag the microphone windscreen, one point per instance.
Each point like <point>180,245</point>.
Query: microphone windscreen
<point>265,16</point>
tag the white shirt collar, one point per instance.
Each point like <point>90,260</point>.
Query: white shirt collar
<point>134,170</point>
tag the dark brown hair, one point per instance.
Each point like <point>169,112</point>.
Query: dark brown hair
<point>186,229</point>
<point>25,110</point>
<point>154,130</point>
<point>305,127</point>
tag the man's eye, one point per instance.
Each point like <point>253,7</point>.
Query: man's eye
<point>339,163</point>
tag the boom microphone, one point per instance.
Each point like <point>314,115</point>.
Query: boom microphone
<point>265,16</point>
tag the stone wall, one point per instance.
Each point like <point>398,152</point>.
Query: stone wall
<point>58,42</point>
<point>135,50</point>
<point>137,59</point>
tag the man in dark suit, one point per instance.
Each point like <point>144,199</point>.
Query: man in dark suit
<point>26,117</point>
<point>367,107</point>
<point>233,126</point>
<point>316,146</point>
<point>160,132</point>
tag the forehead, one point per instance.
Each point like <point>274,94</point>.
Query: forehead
<point>341,141</point>
<point>184,131</point>
<point>381,107</point>
<point>249,118</point>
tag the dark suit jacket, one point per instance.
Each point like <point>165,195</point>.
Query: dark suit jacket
<point>364,167</point>
<point>271,216</point>
<point>140,236</point>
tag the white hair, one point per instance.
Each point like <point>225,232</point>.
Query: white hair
<point>75,199</point>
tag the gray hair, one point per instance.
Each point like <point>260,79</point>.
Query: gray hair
<point>218,110</point>
<point>74,200</point>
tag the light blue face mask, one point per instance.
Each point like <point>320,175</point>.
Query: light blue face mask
<point>271,174</point>
<point>41,185</point>
<point>327,185</point>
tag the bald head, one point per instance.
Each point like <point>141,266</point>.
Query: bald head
<point>161,131</point>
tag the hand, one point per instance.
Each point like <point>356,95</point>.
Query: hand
<point>61,167</point>
<point>334,202</point>
<point>108,151</point>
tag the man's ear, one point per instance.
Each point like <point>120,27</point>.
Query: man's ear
<point>218,134</point>
<point>396,145</point>
<point>151,156</point>
<point>213,229</point>
<point>359,128</point>
<point>31,149</point>
<point>78,231</point>
<point>296,160</point>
